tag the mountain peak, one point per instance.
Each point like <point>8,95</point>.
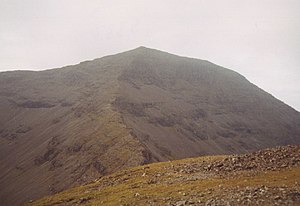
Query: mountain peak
<point>149,52</point>
<point>84,121</point>
<point>142,47</point>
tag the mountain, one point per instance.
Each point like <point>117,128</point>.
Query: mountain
<point>250,179</point>
<point>65,127</point>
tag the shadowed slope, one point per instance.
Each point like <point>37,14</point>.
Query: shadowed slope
<point>182,107</point>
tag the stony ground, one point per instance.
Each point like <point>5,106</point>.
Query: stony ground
<point>267,177</point>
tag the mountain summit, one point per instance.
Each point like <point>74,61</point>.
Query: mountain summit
<point>63,127</point>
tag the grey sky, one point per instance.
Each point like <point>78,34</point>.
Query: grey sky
<point>257,38</point>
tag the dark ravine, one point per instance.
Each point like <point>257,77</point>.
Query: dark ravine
<point>64,127</point>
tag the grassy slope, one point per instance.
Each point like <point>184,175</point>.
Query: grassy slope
<point>169,182</point>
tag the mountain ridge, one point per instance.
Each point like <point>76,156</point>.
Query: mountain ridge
<point>142,48</point>
<point>80,122</point>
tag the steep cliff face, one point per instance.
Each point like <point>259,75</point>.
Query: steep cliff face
<point>64,127</point>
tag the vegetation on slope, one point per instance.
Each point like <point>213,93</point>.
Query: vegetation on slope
<point>267,177</point>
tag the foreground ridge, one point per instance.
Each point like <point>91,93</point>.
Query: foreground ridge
<point>266,177</point>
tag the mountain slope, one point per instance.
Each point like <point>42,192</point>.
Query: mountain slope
<point>271,177</point>
<point>58,129</point>
<point>187,107</point>
<point>63,127</point>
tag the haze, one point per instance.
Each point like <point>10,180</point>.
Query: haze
<point>257,38</point>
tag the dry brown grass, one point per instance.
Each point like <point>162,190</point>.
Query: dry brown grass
<point>134,186</point>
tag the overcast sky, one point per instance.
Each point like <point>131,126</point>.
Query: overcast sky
<point>258,38</point>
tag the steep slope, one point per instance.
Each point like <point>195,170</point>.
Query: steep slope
<point>181,107</point>
<point>268,177</point>
<point>58,129</point>
<point>63,127</point>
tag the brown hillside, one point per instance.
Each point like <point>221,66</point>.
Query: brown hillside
<point>180,107</point>
<point>58,129</point>
<point>64,127</point>
<point>268,177</point>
